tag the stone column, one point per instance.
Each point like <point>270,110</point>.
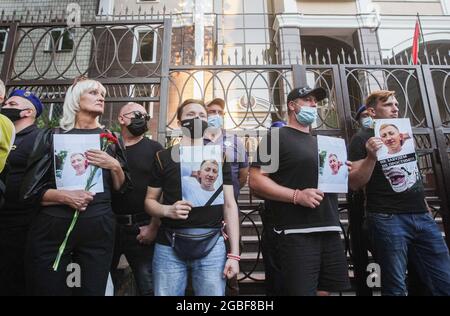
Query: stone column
<point>366,42</point>
<point>445,6</point>
<point>287,29</point>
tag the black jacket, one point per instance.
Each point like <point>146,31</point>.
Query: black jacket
<point>34,184</point>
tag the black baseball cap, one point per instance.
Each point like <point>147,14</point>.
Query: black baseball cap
<point>302,92</point>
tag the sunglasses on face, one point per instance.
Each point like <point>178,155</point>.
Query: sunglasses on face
<point>137,114</point>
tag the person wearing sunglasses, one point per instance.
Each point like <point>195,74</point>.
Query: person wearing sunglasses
<point>135,229</point>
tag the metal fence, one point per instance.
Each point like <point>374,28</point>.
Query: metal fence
<point>44,55</point>
<point>254,87</point>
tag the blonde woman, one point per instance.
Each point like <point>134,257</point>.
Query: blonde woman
<point>90,245</point>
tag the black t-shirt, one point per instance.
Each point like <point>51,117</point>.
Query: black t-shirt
<point>140,163</point>
<point>15,212</point>
<point>100,205</point>
<point>168,178</point>
<point>297,169</point>
<point>381,197</point>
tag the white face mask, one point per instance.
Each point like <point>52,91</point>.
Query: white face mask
<point>367,122</point>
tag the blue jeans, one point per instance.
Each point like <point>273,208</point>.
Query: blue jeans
<point>170,273</point>
<point>393,235</point>
<point>139,257</point>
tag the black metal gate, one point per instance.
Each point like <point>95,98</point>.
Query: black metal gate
<point>44,55</point>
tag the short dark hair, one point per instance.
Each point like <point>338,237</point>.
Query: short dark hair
<point>187,102</point>
<point>376,96</point>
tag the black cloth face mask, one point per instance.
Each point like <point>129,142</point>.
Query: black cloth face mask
<point>194,128</point>
<point>12,114</point>
<point>138,126</point>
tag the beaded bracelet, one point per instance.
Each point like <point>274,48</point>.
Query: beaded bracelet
<point>234,257</point>
<point>294,198</point>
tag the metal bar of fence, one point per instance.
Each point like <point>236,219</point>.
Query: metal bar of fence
<point>91,23</point>
<point>440,156</point>
<point>109,99</point>
<point>164,89</point>
<point>299,74</point>
<point>343,108</point>
<point>355,202</point>
<point>256,67</point>
<point>8,58</point>
<point>431,67</point>
<point>68,82</point>
<point>230,67</point>
<point>378,67</point>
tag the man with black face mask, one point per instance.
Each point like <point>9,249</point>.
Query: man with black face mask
<point>7,135</point>
<point>135,230</point>
<point>22,108</point>
<point>189,240</point>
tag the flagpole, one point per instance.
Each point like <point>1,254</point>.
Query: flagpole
<point>423,38</point>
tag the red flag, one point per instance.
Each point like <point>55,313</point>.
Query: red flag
<point>415,46</point>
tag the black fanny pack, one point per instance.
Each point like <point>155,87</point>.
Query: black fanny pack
<point>192,243</point>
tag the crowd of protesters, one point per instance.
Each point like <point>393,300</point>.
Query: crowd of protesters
<point>174,244</point>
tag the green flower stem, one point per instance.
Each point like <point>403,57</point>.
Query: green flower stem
<point>63,245</point>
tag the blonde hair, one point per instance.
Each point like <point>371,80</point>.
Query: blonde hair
<point>2,89</point>
<point>72,102</point>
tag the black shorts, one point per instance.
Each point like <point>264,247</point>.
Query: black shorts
<point>313,262</point>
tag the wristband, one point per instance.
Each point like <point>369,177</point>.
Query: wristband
<point>234,257</point>
<point>294,198</point>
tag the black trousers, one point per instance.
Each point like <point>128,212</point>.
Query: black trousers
<point>139,257</point>
<point>89,247</point>
<point>12,253</point>
<point>269,248</point>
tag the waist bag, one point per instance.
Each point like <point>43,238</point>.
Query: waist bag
<point>192,243</point>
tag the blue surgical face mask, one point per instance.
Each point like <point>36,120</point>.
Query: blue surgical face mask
<point>215,121</point>
<point>307,115</point>
<point>367,122</point>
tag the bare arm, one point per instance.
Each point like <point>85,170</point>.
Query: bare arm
<point>118,176</point>
<point>361,172</point>
<point>231,217</point>
<point>147,234</point>
<point>179,210</point>
<point>362,169</point>
<point>269,189</point>
<point>243,174</point>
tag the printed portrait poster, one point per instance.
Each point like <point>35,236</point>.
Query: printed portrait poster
<point>201,175</point>
<point>333,172</point>
<point>72,170</point>
<point>397,156</point>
